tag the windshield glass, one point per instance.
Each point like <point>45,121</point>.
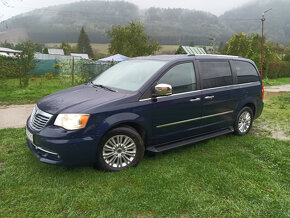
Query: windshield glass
<point>129,75</point>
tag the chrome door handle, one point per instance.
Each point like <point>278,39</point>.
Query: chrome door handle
<point>194,99</point>
<point>209,97</point>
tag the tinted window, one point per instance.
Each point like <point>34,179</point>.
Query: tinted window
<point>181,77</point>
<point>215,74</point>
<point>246,72</point>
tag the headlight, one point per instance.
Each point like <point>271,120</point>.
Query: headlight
<point>72,121</point>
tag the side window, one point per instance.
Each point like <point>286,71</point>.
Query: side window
<point>181,77</point>
<point>246,72</point>
<point>215,74</point>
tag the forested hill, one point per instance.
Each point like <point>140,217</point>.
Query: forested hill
<point>63,23</point>
<point>247,19</point>
<point>168,26</point>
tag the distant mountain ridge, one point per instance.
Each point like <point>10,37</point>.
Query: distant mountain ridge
<point>247,19</point>
<point>168,26</point>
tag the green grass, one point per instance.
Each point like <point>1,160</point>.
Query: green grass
<point>10,93</point>
<point>276,82</point>
<point>276,114</point>
<point>227,176</point>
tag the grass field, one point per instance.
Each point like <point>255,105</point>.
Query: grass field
<point>227,176</point>
<point>276,82</point>
<point>276,116</point>
<point>10,93</point>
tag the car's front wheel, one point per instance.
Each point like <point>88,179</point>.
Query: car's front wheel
<point>120,148</point>
<point>244,121</point>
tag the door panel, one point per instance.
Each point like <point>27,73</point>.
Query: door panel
<point>176,117</point>
<point>217,112</point>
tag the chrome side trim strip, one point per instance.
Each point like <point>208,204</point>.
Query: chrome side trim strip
<point>194,119</point>
<point>183,93</point>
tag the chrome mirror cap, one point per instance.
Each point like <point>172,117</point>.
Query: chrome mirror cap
<point>163,89</point>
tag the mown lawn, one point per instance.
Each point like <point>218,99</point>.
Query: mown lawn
<point>226,176</point>
<point>276,82</point>
<point>276,115</point>
<point>11,93</point>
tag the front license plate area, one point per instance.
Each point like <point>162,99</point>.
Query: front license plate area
<point>29,135</point>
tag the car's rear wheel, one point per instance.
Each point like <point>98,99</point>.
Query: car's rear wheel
<point>120,148</point>
<point>244,121</point>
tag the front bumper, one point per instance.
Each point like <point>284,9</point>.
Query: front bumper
<point>63,151</point>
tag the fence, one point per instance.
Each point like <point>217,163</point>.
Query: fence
<point>77,71</point>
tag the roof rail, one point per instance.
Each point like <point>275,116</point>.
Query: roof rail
<point>218,55</point>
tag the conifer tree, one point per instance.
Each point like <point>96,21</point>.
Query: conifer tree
<point>84,45</point>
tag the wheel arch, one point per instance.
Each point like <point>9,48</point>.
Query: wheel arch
<point>131,120</point>
<point>252,106</point>
<point>249,102</point>
<point>136,126</point>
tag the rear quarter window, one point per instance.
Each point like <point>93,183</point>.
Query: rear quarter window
<point>215,74</point>
<point>246,72</point>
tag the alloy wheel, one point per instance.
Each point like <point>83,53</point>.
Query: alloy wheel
<point>244,121</point>
<point>119,151</point>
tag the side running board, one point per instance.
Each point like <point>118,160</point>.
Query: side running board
<point>190,141</point>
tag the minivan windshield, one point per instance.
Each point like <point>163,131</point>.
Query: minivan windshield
<point>129,75</point>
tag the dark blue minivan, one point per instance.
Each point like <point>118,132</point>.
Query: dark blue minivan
<point>152,103</point>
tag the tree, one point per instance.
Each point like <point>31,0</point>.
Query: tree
<point>45,51</point>
<point>84,45</point>
<point>8,67</point>
<point>35,47</point>
<point>250,47</point>
<point>6,44</point>
<point>131,40</point>
<point>287,55</point>
<point>26,62</point>
<point>66,47</point>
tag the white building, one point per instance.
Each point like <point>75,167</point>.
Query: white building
<point>9,52</point>
<point>55,51</point>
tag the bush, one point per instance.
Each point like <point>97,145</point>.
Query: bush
<point>278,70</point>
<point>49,75</point>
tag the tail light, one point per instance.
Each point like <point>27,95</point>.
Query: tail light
<point>262,92</point>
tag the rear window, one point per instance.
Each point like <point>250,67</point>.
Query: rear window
<point>246,72</point>
<point>215,74</point>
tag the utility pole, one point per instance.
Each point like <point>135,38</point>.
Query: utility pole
<point>262,43</point>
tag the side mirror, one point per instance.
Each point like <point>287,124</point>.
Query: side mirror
<point>163,89</point>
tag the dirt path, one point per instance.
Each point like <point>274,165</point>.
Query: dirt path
<point>282,88</point>
<point>14,115</point>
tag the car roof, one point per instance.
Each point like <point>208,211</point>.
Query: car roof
<point>186,57</point>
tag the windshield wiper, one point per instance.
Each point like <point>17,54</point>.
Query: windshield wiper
<point>101,86</point>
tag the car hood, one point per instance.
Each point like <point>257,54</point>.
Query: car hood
<point>79,99</point>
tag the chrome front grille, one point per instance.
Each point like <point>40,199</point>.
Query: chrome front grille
<point>39,119</point>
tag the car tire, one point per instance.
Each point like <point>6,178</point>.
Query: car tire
<point>120,148</point>
<point>243,122</point>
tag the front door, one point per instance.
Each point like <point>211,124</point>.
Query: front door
<point>177,116</point>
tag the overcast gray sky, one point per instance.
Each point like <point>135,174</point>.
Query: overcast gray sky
<point>216,7</point>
